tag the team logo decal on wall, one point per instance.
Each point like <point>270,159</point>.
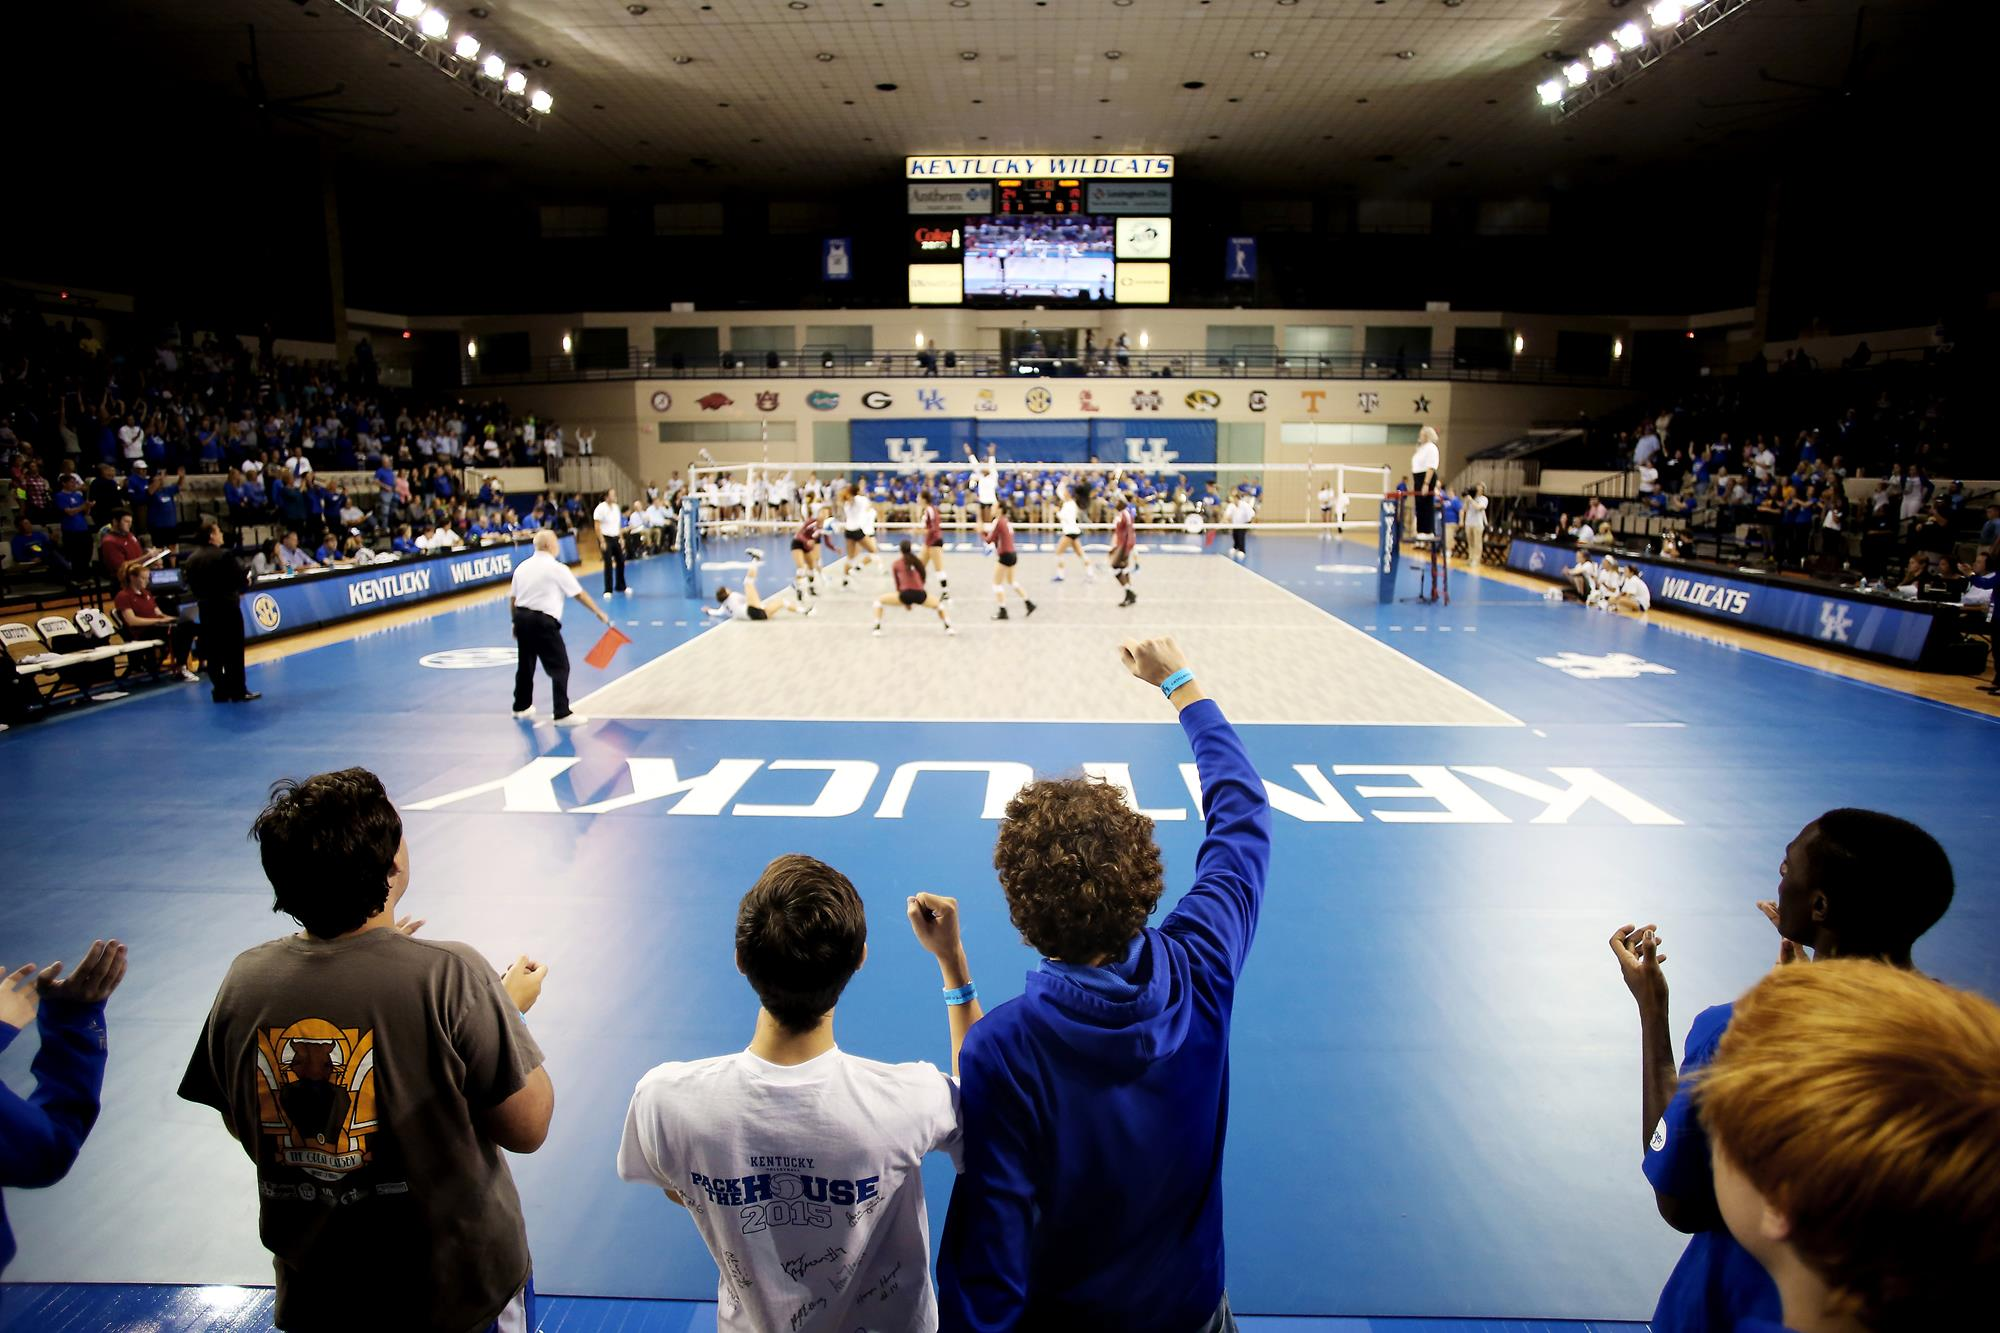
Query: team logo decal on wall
<point>468,659</point>
<point>1149,451</point>
<point>1040,399</point>
<point>1085,403</point>
<point>1202,400</point>
<point>1423,403</point>
<point>714,402</point>
<point>985,402</point>
<point>1146,400</point>
<point>662,400</point>
<point>875,400</point>
<point>909,453</point>
<point>932,399</point>
<point>1368,400</point>
<point>821,400</point>
<point>1313,398</point>
<point>767,401</point>
<point>1259,400</point>
<point>264,610</point>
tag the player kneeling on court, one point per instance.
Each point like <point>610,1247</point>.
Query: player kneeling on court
<point>1094,1104</point>
<point>910,590</point>
<point>747,604</point>
<point>800,1162</point>
<point>1856,1143</point>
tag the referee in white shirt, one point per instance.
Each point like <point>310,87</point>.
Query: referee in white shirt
<point>1423,476</point>
<point>610,542</point>
<point>542,583</point>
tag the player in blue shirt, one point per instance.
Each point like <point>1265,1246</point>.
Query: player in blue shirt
<point>403,544</point>
<point>1095,1104</point>
<point>1853,883</point>
<point>163,516</point>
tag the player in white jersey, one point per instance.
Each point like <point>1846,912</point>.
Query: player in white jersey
<point>782,492</point>
<point>986,476</point>
<point>857,530</point>
<point>746,604</point>
<point>1070,521</point>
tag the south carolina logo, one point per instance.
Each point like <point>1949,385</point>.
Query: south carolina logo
<point>1040,399</point>
<point>1203,400</point>
<point>316,1096</point>
<point>767,402</point>
<point>264,610</point>
<point>1259,400</point>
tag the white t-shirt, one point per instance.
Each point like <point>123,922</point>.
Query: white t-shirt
<point>1649,479</point>
<point>608,518</point>
<point>1610,578</point>
<point>1635,588</point>
<point>1475,511</point>
<point>132,441</point>
<point>804,1182</point>
<point>989,486</point>
<point>1326,497</point>
<point>543,583</point>
<point>1068,516</point>
<point>1585,534</point>
<point>1762,464</point>
<point>1425,459</point>
<point>864,511</point>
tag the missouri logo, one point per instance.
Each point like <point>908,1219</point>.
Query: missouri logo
<point>264,610</point>
<point>1203,400</point>
<point>316,1096</point>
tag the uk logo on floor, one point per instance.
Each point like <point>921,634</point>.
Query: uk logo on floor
<point>1834,622</point>
<point>1610,666</point>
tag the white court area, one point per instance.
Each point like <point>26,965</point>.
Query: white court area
<point>1038,273</point>
<point>1276,657</point>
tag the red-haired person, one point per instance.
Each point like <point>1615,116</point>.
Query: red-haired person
<point>908,571</point>
<point>1853,1116</point>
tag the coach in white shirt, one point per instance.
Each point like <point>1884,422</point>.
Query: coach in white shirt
<point>610,520</point>
<point>1423,476</point>
<point>542,583</point>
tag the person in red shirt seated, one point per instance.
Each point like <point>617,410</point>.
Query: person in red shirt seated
<point>139,616</point>
<point>908,572</point>
<point>120,547</point>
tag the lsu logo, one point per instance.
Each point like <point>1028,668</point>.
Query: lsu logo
<point>316,1096</point>
<point>1259,400</point>
<point>264,610</point>
<point>985,402</point>
<point>1040,399</point>
<point>1203,400</point>
<point>1085,403</point>
<point>714,402</point>
<point>820,400</point>
<point>1146,400</point>
<point>932,399</point>
<point>767,402</point>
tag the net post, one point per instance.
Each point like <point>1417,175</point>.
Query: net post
<point>1388,543</point>
<point>691,544</point>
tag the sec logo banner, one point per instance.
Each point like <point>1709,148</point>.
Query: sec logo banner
<point>662,400</point>
<point>875,400</point>
<point>1040,399</point>
<point>264,610</point>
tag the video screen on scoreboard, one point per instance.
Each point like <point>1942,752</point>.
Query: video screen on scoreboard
<point>1032,257</point>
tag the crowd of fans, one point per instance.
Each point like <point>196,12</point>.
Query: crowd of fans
<point>1829,1140</point>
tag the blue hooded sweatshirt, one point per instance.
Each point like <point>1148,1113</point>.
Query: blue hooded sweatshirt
<point>41,1135</point>
<point>1096,1104</point>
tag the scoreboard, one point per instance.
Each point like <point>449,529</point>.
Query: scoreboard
<point>1038,196</point>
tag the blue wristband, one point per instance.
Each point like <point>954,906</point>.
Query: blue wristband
<point>965,994</point>
<point>1175,681</point>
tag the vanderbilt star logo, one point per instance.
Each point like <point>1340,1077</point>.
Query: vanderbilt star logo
<point>1423,404</point>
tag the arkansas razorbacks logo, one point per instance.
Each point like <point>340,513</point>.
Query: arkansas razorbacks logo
<point>714,402</point>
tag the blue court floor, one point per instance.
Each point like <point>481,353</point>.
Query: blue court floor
<point>1435,1065</point>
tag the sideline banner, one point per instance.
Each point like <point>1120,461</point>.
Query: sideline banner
<point>284,607</point>
<point>1847,624</point>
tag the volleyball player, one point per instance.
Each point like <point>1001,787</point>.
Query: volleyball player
<point>932,523</point>
<point>805,552</point>
<point>852,503</point>
<point>908,572</point>
<point>1124,540</point>
<point>986,477</point>
<point>1070,521</point>
<point>747,605</point>
<point>1001,538</point>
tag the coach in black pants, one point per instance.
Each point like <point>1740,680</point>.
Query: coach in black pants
<point>542,583</point>
<point>217,580</point>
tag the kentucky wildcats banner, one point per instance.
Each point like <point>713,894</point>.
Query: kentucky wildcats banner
<point>1144,444</point>
<point>1079,166</point>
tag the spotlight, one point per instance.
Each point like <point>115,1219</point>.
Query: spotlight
<point>1113,55</point>
<point>406,333</point>
<point>1617,348</point>
<point>920,340</point>
<point>1551,91</point>
<point>472,349</point>
<point>517,83</point>
<point>683,60</point>
<point>1260,55</point>
<point>1602,55</point>
<point>493,67</point>
<point>1577,73</point>
<point>409,9</point>
<point>434,24</point>
<point>1667,13</point>
<point>566,345</point>
<point>541,101</point>
<point>1630,37</point>
<point>968,55</point>
<point>1520,344</point>
<point>1406,55</point>
<point>468,47</point>
<point>823,57</point>
<point>1145,338</point>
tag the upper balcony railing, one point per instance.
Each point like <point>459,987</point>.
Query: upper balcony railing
<point>1245,363</point>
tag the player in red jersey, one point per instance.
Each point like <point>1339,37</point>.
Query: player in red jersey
<point>1124,539</point>
<point>805,552</point>
<point>932,524</point>
<point>1001,538</point>
<point>908,571</point>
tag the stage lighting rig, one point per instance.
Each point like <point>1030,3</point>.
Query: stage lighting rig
<point>1632,48</point>
<point>425,32</point>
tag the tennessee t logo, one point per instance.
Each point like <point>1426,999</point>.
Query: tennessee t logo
<point>1312,397</point>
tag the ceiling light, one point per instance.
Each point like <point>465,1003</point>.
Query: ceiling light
<point>1122,4</point>
<point>1576,72</point>
<point>541,101</point>
<point>1194,83</point>
<point>683,60</point>
<point>1453,4</point>
<point>1666,13</point>
<point>968,55</point>
<point>541,62</point>
<point>885,87</point>
<point>1406,55</point>
<point>635,11</point>
<point>1630,37</point>
<point>1260,55</point>
<point>517,83</point>
<point>1114,55</point>
<point>966,4</point>
<point>433,24</point>
<point>566,343</point>
<point>1551,91</point>
<point>1520,344</point>
<point>1602,55</point>
<point>1617,348</point>
<point>472,348</point>
<point>468,47</point>
<point>409,9</point>
<point>798,4</point>
<point>1288,3</point>
<point>493,67</point>
<point>823,57</point>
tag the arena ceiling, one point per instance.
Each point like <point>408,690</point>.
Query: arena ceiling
<point>786,97</point>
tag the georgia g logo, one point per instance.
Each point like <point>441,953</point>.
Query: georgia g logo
<point>265,611</point>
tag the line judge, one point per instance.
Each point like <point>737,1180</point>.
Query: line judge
<point>542,583</point>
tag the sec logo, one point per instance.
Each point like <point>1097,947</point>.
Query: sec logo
<point>662,400</point>
<point>1040,399</point>
<point>1259,400</point>
<point>265,610</point>
<point>875,400</point>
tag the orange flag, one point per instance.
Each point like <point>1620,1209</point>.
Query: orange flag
<point>606,648</point>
